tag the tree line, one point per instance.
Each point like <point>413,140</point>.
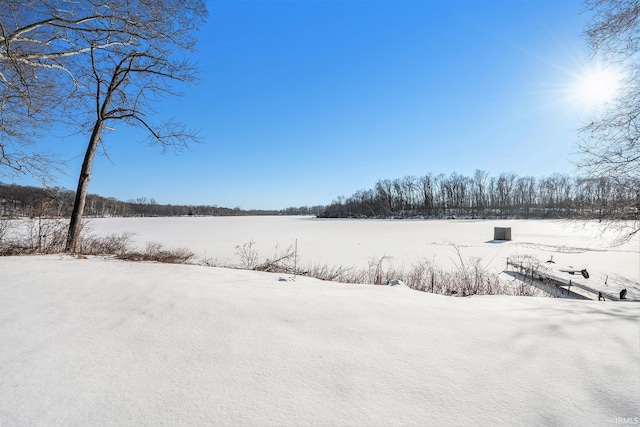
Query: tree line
<point>27,201</point>
<point>484,196</point>
<point>428,196</point>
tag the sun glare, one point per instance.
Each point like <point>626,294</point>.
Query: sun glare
<point>596,88</point>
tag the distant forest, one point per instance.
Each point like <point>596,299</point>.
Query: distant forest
<point>429,196</point>
<point>484,196</point>
<point>27,201</point>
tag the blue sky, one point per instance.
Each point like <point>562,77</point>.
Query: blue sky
<point>301,101</point>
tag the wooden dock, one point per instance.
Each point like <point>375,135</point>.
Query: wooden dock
<point>575,289</point>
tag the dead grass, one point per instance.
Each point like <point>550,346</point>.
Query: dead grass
<point>48,236</point>
<point>468,277</point>
<point>156,252</point>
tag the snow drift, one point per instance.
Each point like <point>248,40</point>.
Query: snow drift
<point>105,342</point>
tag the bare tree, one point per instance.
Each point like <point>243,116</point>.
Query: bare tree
<point>121,81</point>
<point>111,59</point>
<point>479,190</point>
<point>427,194</point>
<point>610,143</point>
<point>38,40</point>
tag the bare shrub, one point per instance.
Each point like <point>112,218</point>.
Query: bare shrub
<point>248,255</point>
<point>9,245</point>
<point>113,244</point>
<point>5,227</point>
<point>153,248</point>
<point>212,262</point>
<point>156,252</point>
<point>47,235</point>
<point>174,256</point>
<point>378,275</point>
<point>336,273</point>
<point>468,277</point>
<point>282,261</point>
<point>421,276</point>
<point>32,236</point>
<point>473,278</point>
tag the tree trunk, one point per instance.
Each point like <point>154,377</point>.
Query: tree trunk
<point>73,236</point>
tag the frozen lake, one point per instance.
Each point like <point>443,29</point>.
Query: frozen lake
<point>353,243</point>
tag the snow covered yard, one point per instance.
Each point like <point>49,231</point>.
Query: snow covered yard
<point>105,342</point>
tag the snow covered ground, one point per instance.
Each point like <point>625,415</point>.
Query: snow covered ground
<point>353,243</point>
<point>104,342</point>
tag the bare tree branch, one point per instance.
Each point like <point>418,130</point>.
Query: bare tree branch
<point>610,143</point>
<point>45,47</point>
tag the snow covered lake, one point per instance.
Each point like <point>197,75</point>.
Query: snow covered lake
<point>99,341</point>
<point>353,243</point>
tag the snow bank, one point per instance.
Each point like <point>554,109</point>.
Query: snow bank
<point>103,342</point>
